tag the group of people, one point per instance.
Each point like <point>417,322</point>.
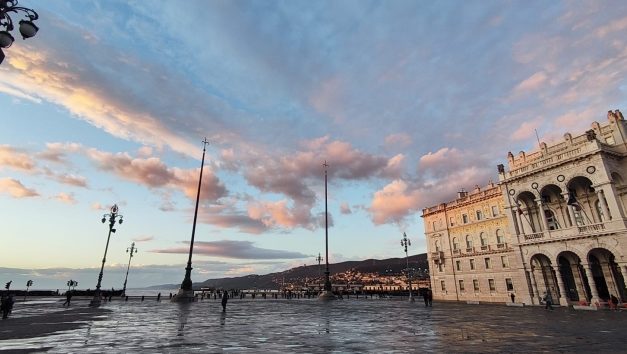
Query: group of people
<point>6,305</point>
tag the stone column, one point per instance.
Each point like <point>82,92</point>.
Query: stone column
<point>571,213</point>
<point>610,194</point>
<point>534,286</point>
<point>592,284</point>
<point>560,284</point>
<point>545,224</point>
<point>603,205</point>
<point>578,279</point>
<point>520,222</point>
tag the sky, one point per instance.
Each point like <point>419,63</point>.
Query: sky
<point>407,102</point>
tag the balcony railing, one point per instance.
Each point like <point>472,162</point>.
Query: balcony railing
<point>570,232</point>
<point>485,247</point>
<point>591,228</point>
<point>534,236</point>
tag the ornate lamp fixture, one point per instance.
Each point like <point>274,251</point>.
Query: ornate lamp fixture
<point>27,27</point>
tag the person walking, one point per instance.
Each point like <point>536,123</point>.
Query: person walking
<point>225,299</point>
<point>6,306</point>
<point>159,297</point>
<point>430,295</point>
<point>548,301</point>
<point>68,298</point>
<point>425,296</point>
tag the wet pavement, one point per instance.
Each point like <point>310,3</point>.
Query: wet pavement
<point>310,326</point>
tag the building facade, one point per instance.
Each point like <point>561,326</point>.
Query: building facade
<point>471,255</point>
<point>562,225</point>
<point>566,208</point>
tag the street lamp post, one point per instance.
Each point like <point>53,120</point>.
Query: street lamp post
<point>112,219</point>
<point>327,294</point>
<point>131,250</point>
<point>404,243</point>
<point>319,259</point>
<point>186,292</point>
<point>27,27</point>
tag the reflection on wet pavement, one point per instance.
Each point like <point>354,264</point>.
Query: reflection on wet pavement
<point>311,326</point>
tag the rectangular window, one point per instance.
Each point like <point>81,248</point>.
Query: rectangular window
<point>509,284</point>
<point>451,219</point>
<point>495,210</point>
<point>461,285</point>
<point>472,264</point>
<point>440,266</point>
<point>465,219</point>
<point>487,263</point>
<point>458,265</point>
<point>504,261</point>
<point>475,285</point>
<point>443,285</point>
<point>479,215</point>
<point>491,285</point>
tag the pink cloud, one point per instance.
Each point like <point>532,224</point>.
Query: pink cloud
<point>143,238</point>
<point>532,83</point>
<point>345,208</point>
<point>67,198</point>
<point>153,173</point>
<point>527,129</point>
<point>278,214</point>
<point>394,202</point>
<point>618,25</point>
<point>399,140</point>
<point>15,159</point>
<point>233,249</point>
<point>16,189</point>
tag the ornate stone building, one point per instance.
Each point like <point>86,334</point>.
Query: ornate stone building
<point>470,254</point>
<point>566,209</point>
<point>560,227</point>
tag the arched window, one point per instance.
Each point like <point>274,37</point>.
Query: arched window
<point>479,214</point>
<point>468,242</point>
<point>437,246</point>
<point>500,239</point>
<point>455,244</point>
<point>483,239</point>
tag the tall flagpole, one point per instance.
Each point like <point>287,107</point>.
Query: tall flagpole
<point>327,294</point>
<point>186,292</point>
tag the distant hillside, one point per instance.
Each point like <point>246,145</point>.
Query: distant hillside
<point>274,280</point>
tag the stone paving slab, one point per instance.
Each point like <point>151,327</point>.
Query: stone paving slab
<point>311,326</point>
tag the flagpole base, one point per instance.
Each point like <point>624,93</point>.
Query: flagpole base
<point>184,296</point>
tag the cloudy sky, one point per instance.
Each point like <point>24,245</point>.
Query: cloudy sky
<point>407,101</point>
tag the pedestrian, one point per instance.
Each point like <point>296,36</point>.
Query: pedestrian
<point>548,301</point>
<point>225,298</point>
<point>512,296</point>
<point>430,294</point>
<point>159,297</point>
<point>3,306</point>
<point>142,297</point>
<point>425,295</point>
<point>170,296</point>
<point>7,306</point>
<point>613,302</point>
<point>68,298</point>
